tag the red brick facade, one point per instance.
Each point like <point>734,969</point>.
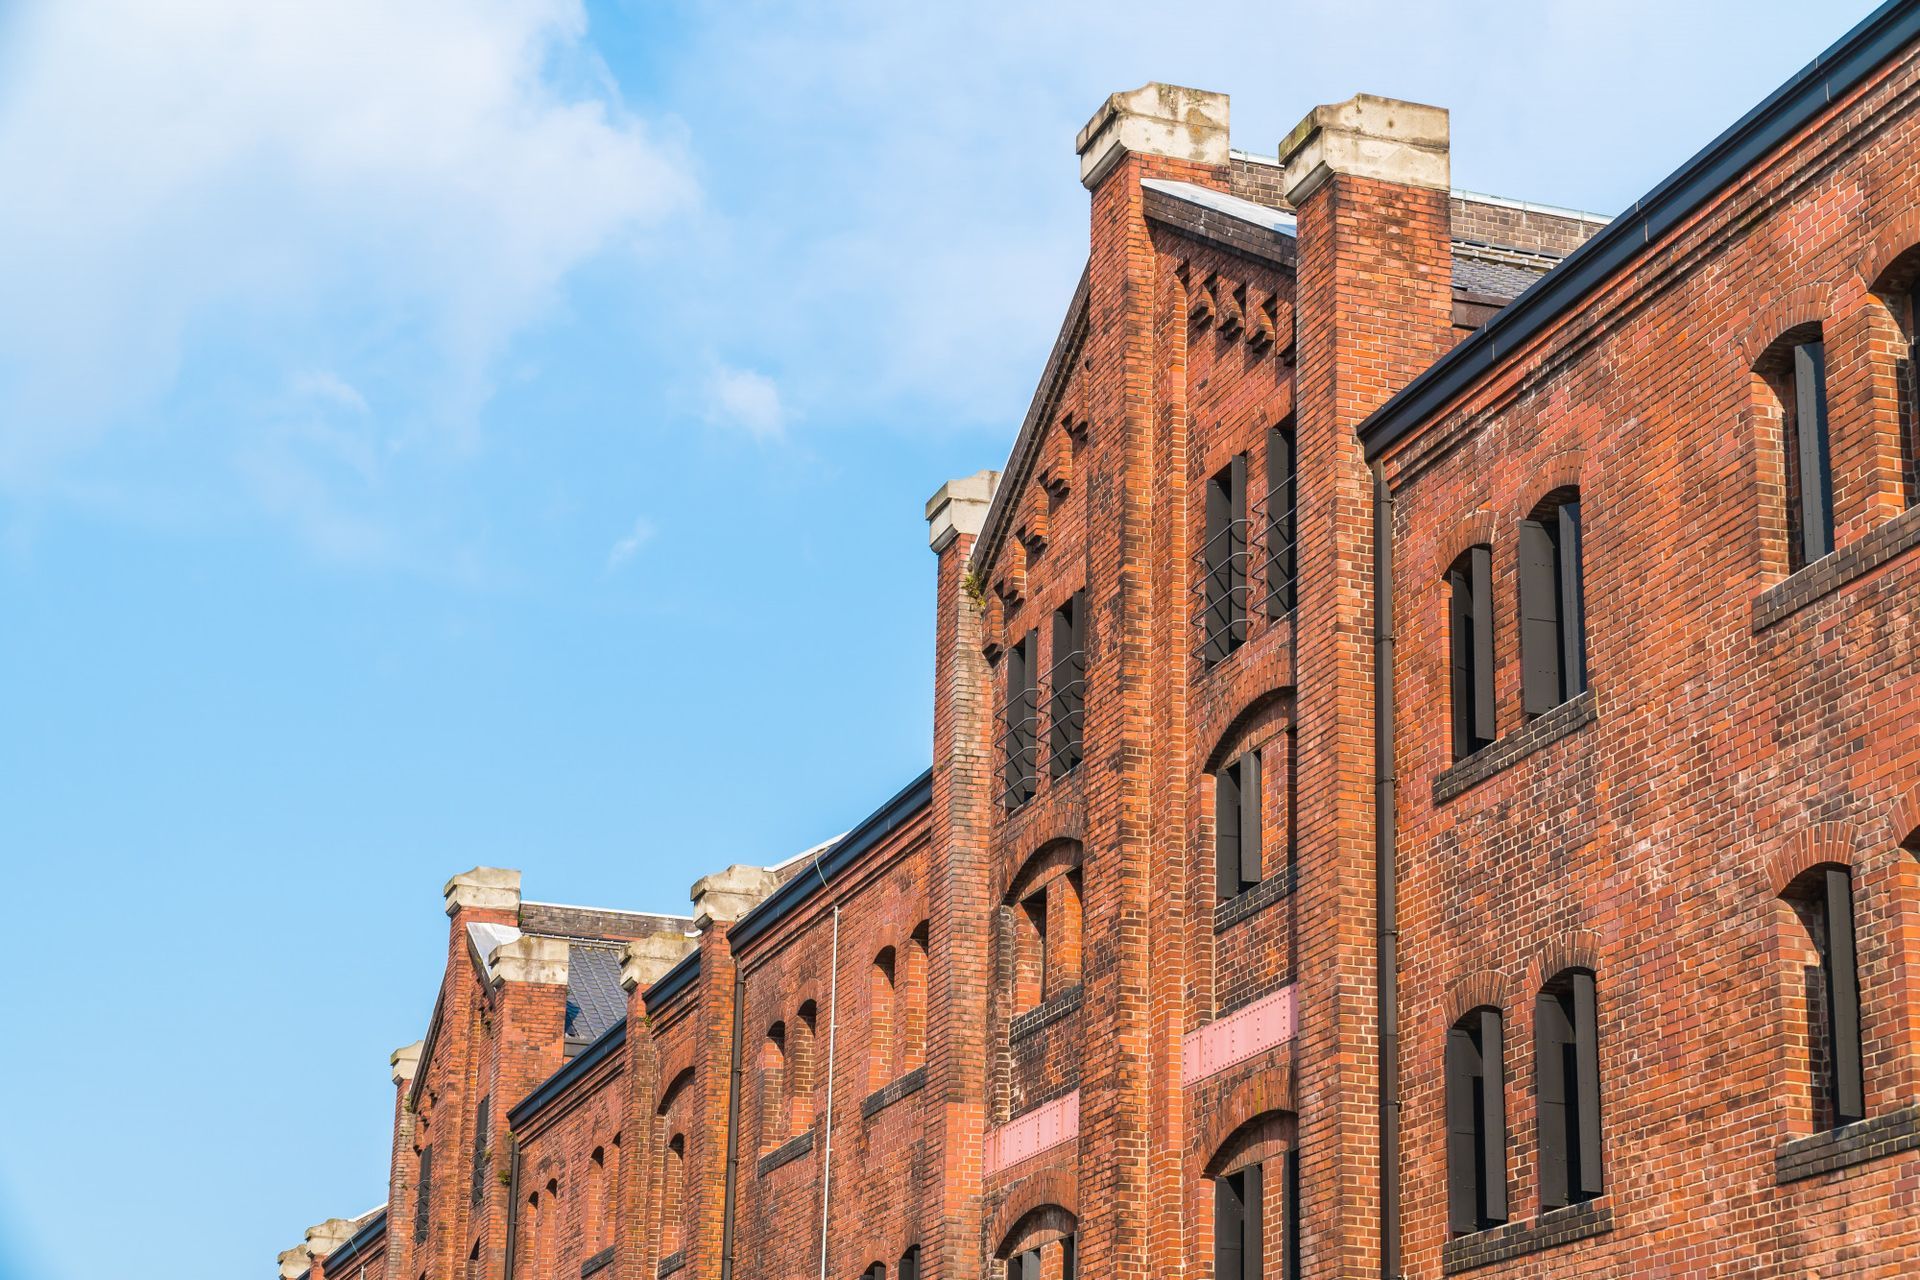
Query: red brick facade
<point>1047,1011</point>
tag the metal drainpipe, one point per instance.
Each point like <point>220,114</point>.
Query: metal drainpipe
<point>1386,893</point>
<point>833,1022</point>
<point>513,1204</point>
<point>733,1119</point>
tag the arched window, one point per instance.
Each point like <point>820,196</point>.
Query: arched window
<point>596,1206</point>
<point>550,1238</point>
<point>1553,626</point>
<point>1223,562</point>
<point>673,1177</point>
<point>1795,368</point>
<point>1470,647</point>
<point>1476,1082</point>
<point>1566,1063</point>
<point>1906,367</point>
<point>800,1046</point>
<point>1256,1201</point>
<point>880,1015</point>
<point>775,1098</point>
<point>1041,1246</point>
<point>1829,999</point>
<point>530,1228</point>
<point>909,1268</point>
<point>913,1001</point>
<point>1043,914</point>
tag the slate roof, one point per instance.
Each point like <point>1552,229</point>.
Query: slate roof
<point>594,998</point>
<point>1493,278</point>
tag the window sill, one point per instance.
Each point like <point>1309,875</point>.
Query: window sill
<point>1045,1013</point>
<point>1852,1144</point>
<point>1255,900</point>
<point>672,1263</point>
<point>1564,720</point>
<point>1551,1229</point>
<point>882,1098</point>
<point>1836,570</point>
<point>598,1262</point>
<point>786,1153</point>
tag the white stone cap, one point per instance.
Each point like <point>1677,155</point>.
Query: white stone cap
<point>294,1261</point>
<point>492,888</point>
<point>324,1237</point>
<point>406,1061</point>
<point>529,958</point>
<point>1368,137</point>
<point>1155,119</point>
<point>487,937</point>
<point>728,895</point>
<point>647,959</point>
<point>960,507</point>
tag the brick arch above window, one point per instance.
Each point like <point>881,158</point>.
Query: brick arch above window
<point>1055,856</point>
<point>1827,844</point>
<point>1219,1130</point>
<point>1066,827</point>
<point>1891,259</point>
<point>1560,470</point>
<point>1903,821</point>
<point>1478,528</point>
<point>1030,1201</point>
<point>1481,989</point>
<point>1571,949</point>
<point>1264,1136</point>
<point>676,1084</point>
<point>1256,709</point>
<point>1805,307</point>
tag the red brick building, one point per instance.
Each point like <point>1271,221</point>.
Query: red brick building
<point>1427,778</point>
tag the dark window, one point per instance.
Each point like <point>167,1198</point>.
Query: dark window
<point>1825,901</point>
<point>1290,1214</point>
<point>1067,685</point>
<point>1809,470</point>
<point>1282,567</point>
<point>1567,1090</point>
<point>1236,826</point>
<point>909,1268</point>
<point>422,1194</point>
<point>1024,1266</point>
<point>878,1271</point>
<point>1238,1202</point>
<point>1470,639</point>
<point>1907,376</point>
<point>1476,1123</point>
<point>480,1140</point>
<point>1223,558</point>
<point>1553,631</point>
<point>1069,1257</point>
<point>1019,736</point>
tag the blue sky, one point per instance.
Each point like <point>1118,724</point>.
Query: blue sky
<point>440,432</point>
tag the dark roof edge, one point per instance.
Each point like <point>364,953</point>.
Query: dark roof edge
<point>795,892</point>
<point>374,1228</point>
<point>560,1081</point>
<point>1832,74</point>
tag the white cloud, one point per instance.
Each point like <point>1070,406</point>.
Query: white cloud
<point>629,545</point>
<point>746,399</point>
<point>237,189</point>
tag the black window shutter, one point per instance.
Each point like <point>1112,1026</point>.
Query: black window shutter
<point>1226,830</point>
<point>1551,1034</point>
<point>1229,1225</point>
<point>423,1193</point>
<point>1573,601</point>
<point>1810,430</point>
<point>1586,1046</point>
<point>1237,545</point>
<point>1253,1260</point>
<point>1481,567</point>
<point>1069,1259</point>
<point>910,1264</point>
<point>1290,1213</point>
<point>1540,638</point>
<point>1843,999</point>
<point>1218,566</point>
<point>1030,1264</point>
<point>1250,814</point>
<point>1460,642</point>
<point>1493,1117</point>
<point>1280,522</point>
<point>1462,1066</point>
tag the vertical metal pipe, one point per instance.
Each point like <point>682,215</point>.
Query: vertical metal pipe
<point>833,1023</point>
<point>1386,890</point>
<point>733,1119</point>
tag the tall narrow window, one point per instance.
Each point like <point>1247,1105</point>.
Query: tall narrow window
<point>1823,899</point>
<point>530,1229</point>
<point>1019,738</point>
<point>1566,1051</point>
<point>1282,567</point>
<point>1809,469</point>
<point>1237,826</point>
<point>1239,1201</point>
<point>1553,630</point>
<point>800,1065</point>
<point>1223,560</point>
<point>913,1000</point>
<point>774,1097</point>
<point>878,1271</point>
<point>423,1194</point>
<point>1476,1082</point>
<point>1470,642</point>
<point>481,1123</point>
<point>596,1206</point>
<point>1067,683</point>
<point>909,1268</point>
<point>673,1174</point>
<point>1907,379</point>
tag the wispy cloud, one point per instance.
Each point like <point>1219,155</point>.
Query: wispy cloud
<point>745,399</point>
<point>392,188</point>
<point>630,544</point>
